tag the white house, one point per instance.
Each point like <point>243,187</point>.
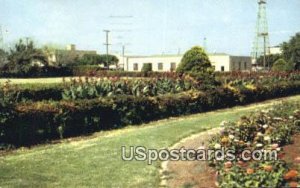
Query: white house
<point>166,63</point>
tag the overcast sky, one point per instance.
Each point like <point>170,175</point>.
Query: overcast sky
<point>149,26</point>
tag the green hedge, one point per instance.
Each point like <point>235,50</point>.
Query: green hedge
<point>34,122</point>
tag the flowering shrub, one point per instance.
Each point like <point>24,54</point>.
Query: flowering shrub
<point>264,130</point>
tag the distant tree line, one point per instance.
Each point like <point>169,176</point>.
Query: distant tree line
<point>288,60</point>
<point>24,58</point>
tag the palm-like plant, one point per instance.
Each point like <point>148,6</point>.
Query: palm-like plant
<point>22,55</point>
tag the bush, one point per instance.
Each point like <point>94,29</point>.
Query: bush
<point>36,72</point>
<point>147,67</point>
<point>36,122</point>
<point>282,65</point>
<point>194,60</point>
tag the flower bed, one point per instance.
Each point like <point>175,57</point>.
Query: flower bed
<point>265,130</point>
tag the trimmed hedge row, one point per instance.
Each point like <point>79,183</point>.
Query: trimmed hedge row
<point>33,122</point>
<point>37,72</point>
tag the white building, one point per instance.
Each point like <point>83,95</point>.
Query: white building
<point>165,63</point>
<point>275,50</point>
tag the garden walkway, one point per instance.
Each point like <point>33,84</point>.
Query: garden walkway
<point>189,173</point>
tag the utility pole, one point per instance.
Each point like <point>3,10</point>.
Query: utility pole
<point>107,44</point>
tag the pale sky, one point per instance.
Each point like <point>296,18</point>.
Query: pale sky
<point>149,26</point>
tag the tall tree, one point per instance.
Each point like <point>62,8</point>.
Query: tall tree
<point>21,56</point>
<point>3,57</point>
<point>291,51</point>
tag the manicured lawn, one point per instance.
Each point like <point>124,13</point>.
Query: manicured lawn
<point>96,160</point>
<point>33,80</point>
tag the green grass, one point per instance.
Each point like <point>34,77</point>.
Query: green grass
<point>33,80</point>
<point>96,160</point>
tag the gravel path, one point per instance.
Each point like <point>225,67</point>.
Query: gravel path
<point>189,173</point>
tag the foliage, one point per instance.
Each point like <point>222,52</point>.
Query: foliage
<point>37,72</point>
<point>92,88</point>
<point>195,60</point>
<point>147,67</point>
<point>22,56</point>
<point>3,57</point>
<point>291,51</point>
<point>282,65</point>
<point>66,58</point>
<point>91,59</point>
<point>268,129</point>
<point>108,60</point>
<point>270,59</point>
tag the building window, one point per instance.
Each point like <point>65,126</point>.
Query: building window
<point>160,66</point>
<point>222,68</point>
<point>135,66</point>
<point>245,65</point>
<point>173,67</point>
<point>240,65</point>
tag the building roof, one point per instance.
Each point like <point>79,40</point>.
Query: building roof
<point>172,55</point>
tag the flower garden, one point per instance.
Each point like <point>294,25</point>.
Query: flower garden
<point>31,115</point>
<point>265,130</point>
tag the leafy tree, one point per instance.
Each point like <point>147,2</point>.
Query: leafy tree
<point>147,67</point>
<point>22,55</point>
<point>270,59</point>
<point>66,58</point>
<point>291,51</point>
<point>90,59</point>
<point>112,60</point>
<point>194,60</point>
<point>282,65</point>
<point>196,64</point>
<point>3,57</point>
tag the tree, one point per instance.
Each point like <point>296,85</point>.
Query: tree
<point>282,65</point>
<point>112,60</point>
<point>90,59</point>
<point>22,55</point>
<point>270,59</point>
<point>291,51</point>
<point>66,58</point>
<point>194,60</point>
<point>3,57</point>
<point>147,67</point>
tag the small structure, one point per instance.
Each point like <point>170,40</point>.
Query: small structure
<point>167,63</point>
<point>70,51</point>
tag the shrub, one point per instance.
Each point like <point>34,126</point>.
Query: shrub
<point>194,60</point>
<point>147,67</point>
<point>282,65</point>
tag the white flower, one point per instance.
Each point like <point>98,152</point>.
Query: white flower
<point>277,118</point>
<point>291,117</point>
<point>201,148</point>
<point>265,126</point>
<point>223,123</point>
<point>267,138</point>
<point>259,145</point>
<point>236,140</point>
<point>259,134</point>
<point>274,146</point>
<point>231,136</point>
<point>217,146</point>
